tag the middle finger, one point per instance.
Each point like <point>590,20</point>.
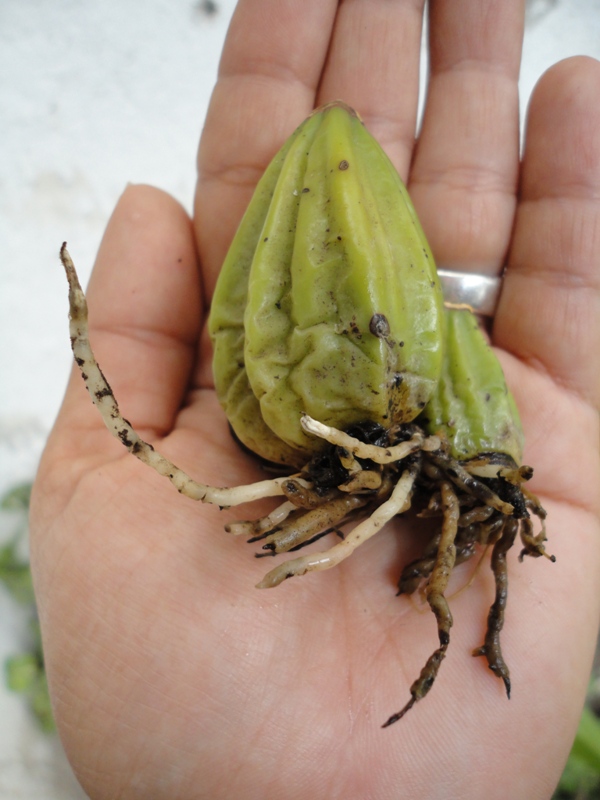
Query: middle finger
<point>373,65</point>
<point>464,176</point>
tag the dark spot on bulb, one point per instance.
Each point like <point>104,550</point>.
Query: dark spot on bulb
<point>379,326</point>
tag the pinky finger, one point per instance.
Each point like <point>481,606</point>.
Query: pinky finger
<point>549,312</point>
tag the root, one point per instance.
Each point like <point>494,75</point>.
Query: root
<point>380,455</point>
<point>106,403</point>
<point>365,476</point>
<point>464,480</point>
<point>533,545</point>
<point>361,533</point>
<point>300,529</point>
<point>258,526</point>
<point>440,575</point>
<point>491,647</point>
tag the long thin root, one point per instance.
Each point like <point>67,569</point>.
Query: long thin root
<point>106,403</point>
<point>491,647</point>
<point>444,564</point>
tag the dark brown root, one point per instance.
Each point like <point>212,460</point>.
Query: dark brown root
<point>440,575</point>
<point>533,544</point>
<point>491,647</point>
<point>485,525</point>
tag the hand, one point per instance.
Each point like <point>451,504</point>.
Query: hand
<point>171,675</point>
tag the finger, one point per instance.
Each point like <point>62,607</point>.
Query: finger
<point>549,311</point>
<point>464,177</point>
<point>373,65</point>
<point>268,78</point>
<point>144,314</point>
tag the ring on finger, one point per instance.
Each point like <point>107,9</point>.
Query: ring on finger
<point>479,293</point>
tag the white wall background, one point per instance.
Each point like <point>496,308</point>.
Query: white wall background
<point>94,95</point>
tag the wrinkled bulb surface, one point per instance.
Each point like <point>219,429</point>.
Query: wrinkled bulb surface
<point>328,302</point>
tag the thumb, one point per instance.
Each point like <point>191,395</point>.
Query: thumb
<point>144,320</point>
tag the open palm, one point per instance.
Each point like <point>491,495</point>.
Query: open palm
<point>171,675</point>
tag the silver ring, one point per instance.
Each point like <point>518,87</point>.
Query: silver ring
<point>479,293</point>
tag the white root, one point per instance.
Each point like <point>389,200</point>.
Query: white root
<point>367,480</point>
<point>256,527</point>
<point>380,455</point>
<point>363,531</point>
<point>105,401</point>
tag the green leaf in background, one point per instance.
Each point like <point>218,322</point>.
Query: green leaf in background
<point>581,777</point>
<point>21,672</point>
<point>586,747</point>
<point>24,673</point>
<point>17,498</point>
<point>15,574</point>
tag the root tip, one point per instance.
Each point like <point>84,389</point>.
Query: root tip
<point>398,716</point>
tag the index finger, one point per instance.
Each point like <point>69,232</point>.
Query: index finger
<point>268,78</point>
